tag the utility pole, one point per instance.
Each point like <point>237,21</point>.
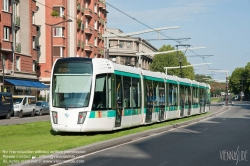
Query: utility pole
<point>2,63</point>
<point>227,90</point>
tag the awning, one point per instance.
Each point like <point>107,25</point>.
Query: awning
<point>27,84</point>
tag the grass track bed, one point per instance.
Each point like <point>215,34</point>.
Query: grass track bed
<point>37,136</point>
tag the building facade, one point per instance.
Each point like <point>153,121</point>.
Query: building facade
<point>122,50</point>
<point>68,28</point>
<point>18,32</point>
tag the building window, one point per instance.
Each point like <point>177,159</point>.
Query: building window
<point>34,65</point>
<point>17,63</point>
<point>59,32</point>
<point>34,42</point>
<point>128,44</point>
<point>6,5</point>
<point>4,61</point>
<point>87,41</point>
<point>87,23</point>
<point>99,13</point>
<point>58,51</point>
<point>137,46</point>
<point>86,4</point>
<point>95,42</point>
<point>60,10</point>
<point>33,18</point>
<point>113,43</point>
<point>6,32</point>
<point>95,25</point>
<point>95,8</point>
<point>121,44</point>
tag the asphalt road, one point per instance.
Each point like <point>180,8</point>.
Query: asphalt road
<point>25,119</point>
<point>222,140</point>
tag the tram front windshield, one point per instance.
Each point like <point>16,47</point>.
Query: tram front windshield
<point>71,84</point>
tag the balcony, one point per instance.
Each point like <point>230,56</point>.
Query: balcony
<point>88,12</point>
<point>18,47</point>
<point>82,27</point>
<point>78,43</point>
<point>88,31</point>
<point>101,21</point>
<point>101,4</point>
<point>59,41</point>
<point>100,36</point>
<point>78,7</point>
<point>6,45</point>
<point>17,21</point>
<point>34,30</point>
<point>6,18</point>
<point>101,51</point>
<point>88,48</point>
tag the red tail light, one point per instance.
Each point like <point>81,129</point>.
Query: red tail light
<point>55,117</point>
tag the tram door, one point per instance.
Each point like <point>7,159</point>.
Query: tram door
<point>201,100</point>
<point>149,101</point>
<point>119,99</point>
<point>189,100</point>
<point>161,101</point>
<point>182,100</point>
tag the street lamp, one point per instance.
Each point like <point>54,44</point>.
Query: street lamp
<point>51,37</point>
<point>175,67</point>
<point>180,59</point>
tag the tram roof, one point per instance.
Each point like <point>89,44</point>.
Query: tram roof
<point>156,76</point>
<point>127,70</point>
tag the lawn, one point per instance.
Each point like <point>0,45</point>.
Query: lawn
<point>27,139</point>
<point>216,100</point>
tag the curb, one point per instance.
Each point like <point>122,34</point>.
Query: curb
<point>59,157</point>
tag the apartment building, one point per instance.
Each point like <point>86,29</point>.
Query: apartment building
<point>18,50</point>
<point>122,50</point>
<point>68,28</point>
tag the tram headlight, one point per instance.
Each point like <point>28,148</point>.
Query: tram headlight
<point>81,117</point>
<point>55,117</point>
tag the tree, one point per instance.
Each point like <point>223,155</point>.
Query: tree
<point>171,60</point>
<point>236,80</point>
<point>202,78</point>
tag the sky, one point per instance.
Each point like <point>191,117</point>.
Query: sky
<point>221,26</point>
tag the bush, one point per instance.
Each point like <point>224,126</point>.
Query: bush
<point>55,13</point>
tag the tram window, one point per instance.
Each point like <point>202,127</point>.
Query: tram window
<point>189,96</point>
<point>182,95</point>
<point>126,91</point>
<point>149,92</point>
<point>175,95</point>
<point>156,93</point>
<point>102,94</point>
<point>73,68</point>
<point>170,95</point>
<point>195,95</point>
<point>162,94</point>
<point>119,94</point>
<point>135,102</point>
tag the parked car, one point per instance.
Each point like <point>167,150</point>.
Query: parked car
<point>6,105</point>
<point>24,105</point>
<point>42,107</point>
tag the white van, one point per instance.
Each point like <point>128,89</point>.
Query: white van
<point>24,105</point>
